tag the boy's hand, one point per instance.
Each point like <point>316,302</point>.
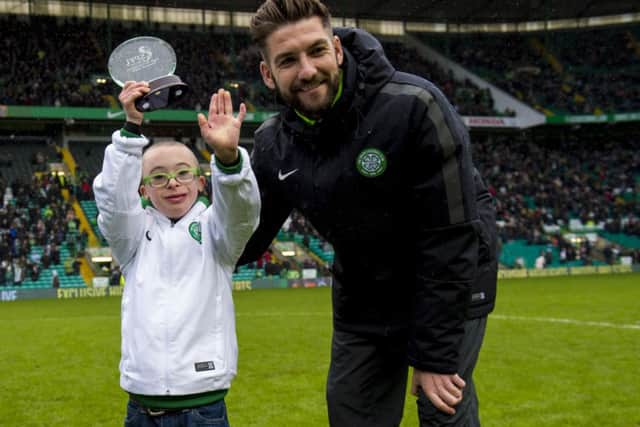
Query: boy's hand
<point>221,130</point>
<point>128,95</point>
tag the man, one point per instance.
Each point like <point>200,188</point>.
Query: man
<point>379,162</point>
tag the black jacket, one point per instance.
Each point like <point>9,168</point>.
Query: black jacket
<point>386,177</point>
<point>483,288</point>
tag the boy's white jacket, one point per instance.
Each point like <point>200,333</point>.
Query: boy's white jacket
<point>178,323</point>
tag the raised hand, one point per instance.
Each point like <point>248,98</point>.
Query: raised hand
<point>221,130</point>
<point>127,97</point>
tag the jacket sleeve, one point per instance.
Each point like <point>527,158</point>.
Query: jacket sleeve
<point>121,217</point>
<point>446,243</point>
<point>275,208</point>
<point>484,287</point>
<point>236,206</point>
<point>487,215</point>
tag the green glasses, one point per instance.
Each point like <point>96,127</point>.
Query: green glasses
<point>161,179</point>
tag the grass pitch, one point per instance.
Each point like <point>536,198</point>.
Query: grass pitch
<point>558,352</point>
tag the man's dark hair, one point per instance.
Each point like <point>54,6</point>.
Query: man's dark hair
<point>273,14</point>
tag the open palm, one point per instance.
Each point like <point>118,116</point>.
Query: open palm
<point>221,130</point>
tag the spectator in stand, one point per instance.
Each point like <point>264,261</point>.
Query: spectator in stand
<point>5,272</point>
<point>34,270</point>
<point>540,261</point>
<point>563,255</point>
<point>68,266</point>
<point>548,256</point>
<point>18,271</point>
<point>114,276</point>
<point>55,254</point>
<point>55,280</point>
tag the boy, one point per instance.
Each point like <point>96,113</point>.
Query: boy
<point>179,348</point>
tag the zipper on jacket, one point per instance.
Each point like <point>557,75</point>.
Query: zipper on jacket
<point>166,330</point>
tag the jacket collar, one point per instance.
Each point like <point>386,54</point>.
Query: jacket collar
<point>198,207</point>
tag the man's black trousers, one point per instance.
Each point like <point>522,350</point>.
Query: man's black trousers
<point>367,381</point>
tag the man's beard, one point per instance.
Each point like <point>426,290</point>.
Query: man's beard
<point>318,110</point>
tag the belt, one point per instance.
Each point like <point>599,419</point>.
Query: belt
<point>157,412</point>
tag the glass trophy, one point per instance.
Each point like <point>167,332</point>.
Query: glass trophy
<point>152,60</point>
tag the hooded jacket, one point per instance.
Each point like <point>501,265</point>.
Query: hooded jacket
<point>386,177</point>
<point>178,325</point>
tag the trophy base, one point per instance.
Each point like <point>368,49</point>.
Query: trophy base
<point>164,91</point>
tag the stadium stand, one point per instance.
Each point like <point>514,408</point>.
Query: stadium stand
<point>232,62</point>
<point>543,187</point>
<point>551,71</point>
<point>467,98</point>
<point>39,235</point>
<point>21,158</point>
<point>88,156</point>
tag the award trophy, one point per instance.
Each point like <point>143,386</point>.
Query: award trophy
<point>152,60</point>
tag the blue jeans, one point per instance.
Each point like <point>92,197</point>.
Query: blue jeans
<point>214,414</point>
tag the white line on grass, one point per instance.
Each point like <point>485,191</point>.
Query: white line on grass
<point>492,316</point>
<point>566,321</point>
<point>284,314</point>
<point>328,313</point>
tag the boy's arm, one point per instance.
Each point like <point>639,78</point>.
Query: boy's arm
<point>236,205</point>
<point>236,199</point>
<point>121,217</point>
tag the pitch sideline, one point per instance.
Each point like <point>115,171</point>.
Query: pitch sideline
<point>491,316</point>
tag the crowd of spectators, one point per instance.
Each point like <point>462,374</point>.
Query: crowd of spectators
<point>34,213</point>
<point>467,98</point>
<point>542,184</point>
<point>295,224</point>
<point>51,66</point>
<point>585,71</point>
<point>58,63</point>
<point>537,184</point>
<point>602,65</point>
<point>579,72</point>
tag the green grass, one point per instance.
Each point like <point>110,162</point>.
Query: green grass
<point>59,359</point>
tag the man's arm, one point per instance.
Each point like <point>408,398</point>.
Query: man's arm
<point>275,207</point>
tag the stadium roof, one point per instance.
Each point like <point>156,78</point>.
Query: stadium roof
<point>447,11</point>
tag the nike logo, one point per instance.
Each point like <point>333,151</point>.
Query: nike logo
<point>283,176</point>
<point>113,115</point>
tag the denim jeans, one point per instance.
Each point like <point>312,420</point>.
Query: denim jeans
<point>214,414</point>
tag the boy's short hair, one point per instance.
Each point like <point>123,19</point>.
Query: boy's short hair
<point>273,14</point>
<point>159,142</point>
<point>169,143</point>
